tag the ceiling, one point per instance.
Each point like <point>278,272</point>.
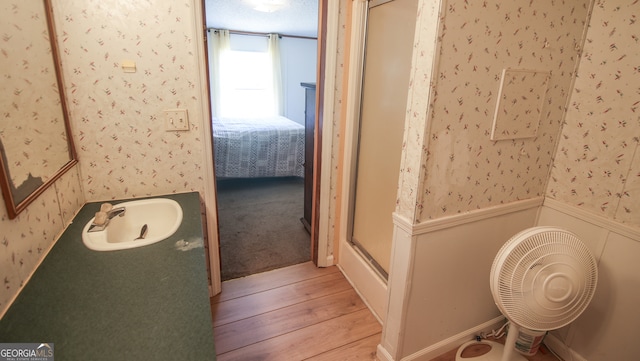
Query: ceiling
<point>296,17</point>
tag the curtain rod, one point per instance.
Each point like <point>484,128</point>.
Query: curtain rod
<point>251,33</point>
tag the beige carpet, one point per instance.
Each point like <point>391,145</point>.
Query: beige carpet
<point>260,228</point>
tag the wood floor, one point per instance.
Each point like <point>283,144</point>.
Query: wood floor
<point>301,313</point>
<point>295,313</point>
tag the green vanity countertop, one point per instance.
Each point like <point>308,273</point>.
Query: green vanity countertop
<point>147,303</point>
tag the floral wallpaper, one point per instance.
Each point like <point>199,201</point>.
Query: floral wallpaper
<point>32,129</point>
<point>25,240</point>
<point>465,169</point>
<point>597,166</point>
<point>419,100</point>
<point>336,154</point>
<point>118,119</point>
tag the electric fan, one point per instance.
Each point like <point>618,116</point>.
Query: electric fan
<point>542,279</point>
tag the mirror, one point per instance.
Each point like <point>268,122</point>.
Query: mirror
<point>35,142</point>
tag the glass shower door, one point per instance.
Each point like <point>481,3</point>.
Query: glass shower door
<point>387,62</point>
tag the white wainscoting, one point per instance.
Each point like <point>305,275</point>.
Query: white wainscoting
<point>608,327</point>
<point>439,294</point>
<point>438,290</point>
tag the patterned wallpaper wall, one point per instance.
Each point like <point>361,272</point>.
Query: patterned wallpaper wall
<point>465,170</point>
<point>420,96</point>
<point>335,118</point>
<point>118,120</point>
<point>597,166</point>
<point>25,240</point>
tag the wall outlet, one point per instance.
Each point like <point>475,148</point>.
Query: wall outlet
<point>176,120</point>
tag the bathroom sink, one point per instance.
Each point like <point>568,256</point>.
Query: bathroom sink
<point>161,216</point>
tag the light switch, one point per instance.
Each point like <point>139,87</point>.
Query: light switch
<point>176,120</point>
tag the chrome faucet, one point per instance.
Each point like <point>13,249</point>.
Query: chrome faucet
<point>116,212</point>
<point>102,218</point>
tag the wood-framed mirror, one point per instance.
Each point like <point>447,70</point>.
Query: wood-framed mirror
<point>36,146</point>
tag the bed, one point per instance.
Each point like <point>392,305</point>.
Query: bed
<point>258,147</point>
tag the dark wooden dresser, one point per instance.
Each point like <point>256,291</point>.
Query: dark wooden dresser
<point>309,124</point>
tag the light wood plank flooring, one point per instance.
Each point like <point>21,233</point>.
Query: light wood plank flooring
<point>295,313</point>
<point>301,313</point>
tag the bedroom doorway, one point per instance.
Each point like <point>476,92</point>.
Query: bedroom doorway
<point>259,214</point>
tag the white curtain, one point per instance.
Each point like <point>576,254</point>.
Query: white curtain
<point>219,45</point>
<point>274,54</point>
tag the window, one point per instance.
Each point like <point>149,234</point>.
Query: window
<point>247,85</point>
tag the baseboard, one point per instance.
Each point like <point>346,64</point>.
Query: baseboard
<point>382,354</point>
<point>561,349</point>
<point>454,341</point>
<point>445,345</point>
<point>329,261</point>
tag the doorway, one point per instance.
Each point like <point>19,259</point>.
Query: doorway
<point>259,217</point>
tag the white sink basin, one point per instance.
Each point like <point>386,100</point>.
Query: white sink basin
<point>162,217</point>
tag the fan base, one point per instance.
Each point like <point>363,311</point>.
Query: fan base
<point>495,354</point>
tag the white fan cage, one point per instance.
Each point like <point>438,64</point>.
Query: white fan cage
<point>543,278</point>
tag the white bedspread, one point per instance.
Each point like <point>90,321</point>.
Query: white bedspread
<point>261,147</point>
